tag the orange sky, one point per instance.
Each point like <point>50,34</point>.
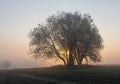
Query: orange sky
<point>18,17</point>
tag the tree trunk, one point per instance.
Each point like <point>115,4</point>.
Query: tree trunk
<point>71,61</point>
<point>58,55</point>
<point>80,61</point>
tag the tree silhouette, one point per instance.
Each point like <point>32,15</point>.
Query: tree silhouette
<point>6,64</point>
<point>70,37</point>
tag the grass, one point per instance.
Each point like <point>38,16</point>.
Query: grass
<point>81,75</point>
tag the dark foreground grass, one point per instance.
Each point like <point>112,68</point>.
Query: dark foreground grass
<point>82,75</point>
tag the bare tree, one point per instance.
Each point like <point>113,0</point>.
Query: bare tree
<point>70,37</point>
<point>6,64</point>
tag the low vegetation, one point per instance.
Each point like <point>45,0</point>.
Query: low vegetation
<point>84,74</point>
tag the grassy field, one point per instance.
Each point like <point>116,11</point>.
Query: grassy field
<point>83,75</point>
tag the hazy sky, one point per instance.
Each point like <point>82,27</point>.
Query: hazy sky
<point>17,17</point>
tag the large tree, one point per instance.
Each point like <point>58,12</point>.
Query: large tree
<point>70,37</point>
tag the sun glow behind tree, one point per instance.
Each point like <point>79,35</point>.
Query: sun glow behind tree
<point>70,37</point>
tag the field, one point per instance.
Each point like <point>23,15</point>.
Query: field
<point>84,75</point>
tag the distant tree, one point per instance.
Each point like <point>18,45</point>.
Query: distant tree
<point>70,37</point>
<point>6,65</point>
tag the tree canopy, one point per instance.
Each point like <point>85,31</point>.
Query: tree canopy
<point>70,37</point>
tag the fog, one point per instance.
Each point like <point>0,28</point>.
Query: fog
<point>19,17</point>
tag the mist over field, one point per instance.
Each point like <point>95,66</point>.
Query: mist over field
<point>59,42</point>
<point>18,17</point>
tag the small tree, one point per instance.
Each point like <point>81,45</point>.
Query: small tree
<point>6,65</point>
<point>70,37</point>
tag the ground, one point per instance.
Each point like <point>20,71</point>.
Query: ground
<point>11,77</point>
<point>60,75</point>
